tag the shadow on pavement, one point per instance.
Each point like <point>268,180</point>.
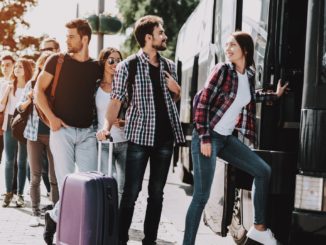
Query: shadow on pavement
<point>137,235</point>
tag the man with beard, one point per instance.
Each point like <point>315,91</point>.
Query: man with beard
<point>72,134</point>
<point>152,124</point>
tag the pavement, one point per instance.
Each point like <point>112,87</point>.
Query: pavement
<point>14,227</point>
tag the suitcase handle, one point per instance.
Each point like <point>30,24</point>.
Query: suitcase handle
<point>99,163</point>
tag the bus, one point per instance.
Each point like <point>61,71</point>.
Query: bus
<point>290,44</point>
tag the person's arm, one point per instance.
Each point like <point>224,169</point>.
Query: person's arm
<point>26,98</point>
<point>42,83</point>
<point>5,91</point>
<point>270,96</point>
<point>201,119</point>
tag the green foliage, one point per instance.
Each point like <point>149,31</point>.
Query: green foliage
<point>173,12</point>
<point>11,16</point>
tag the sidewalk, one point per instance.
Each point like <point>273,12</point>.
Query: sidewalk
<point>14,227</point>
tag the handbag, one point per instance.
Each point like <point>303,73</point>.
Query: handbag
<point>51,96</point>
<point>19,122</point>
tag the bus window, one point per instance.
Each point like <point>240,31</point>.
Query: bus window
<point>323,63</point>
<point>255,22</point>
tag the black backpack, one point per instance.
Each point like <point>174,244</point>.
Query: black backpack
<point>132,71</point>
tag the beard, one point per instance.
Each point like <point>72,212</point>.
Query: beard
<point>75,49</point>
<point>160,47</point>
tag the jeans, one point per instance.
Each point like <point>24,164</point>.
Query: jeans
<point>137,159</point>
<point>36,151</point>
<point>239,155</point>
<point>118,163</point>
<point>70,146</point>
<point>11,145</point>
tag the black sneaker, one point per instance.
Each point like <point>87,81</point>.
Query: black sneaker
<point>46,208</point>
<point>49,229</point>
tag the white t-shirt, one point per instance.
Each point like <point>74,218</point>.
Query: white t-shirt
<point>228,121</point>
<point>102,101</point>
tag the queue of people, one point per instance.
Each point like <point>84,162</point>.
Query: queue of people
<point>88,100</point>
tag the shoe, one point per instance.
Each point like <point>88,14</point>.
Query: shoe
<point>34,221</point>
<point>46,208</point>
<point>20,201</point>
<point>7,199</point>
<point>49,229</point>
<point>265,237</point>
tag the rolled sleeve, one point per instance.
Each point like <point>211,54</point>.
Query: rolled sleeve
<point>119,85</point>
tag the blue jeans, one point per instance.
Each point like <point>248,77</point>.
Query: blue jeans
<point>137,158</point>
<point>13,147</point>
<point>239,155</point>
<point>70,147</point>
<point>118,163</point>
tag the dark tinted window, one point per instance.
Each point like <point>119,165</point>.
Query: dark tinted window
<point>323,63</point>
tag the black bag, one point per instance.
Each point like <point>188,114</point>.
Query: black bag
<point>19,122</point>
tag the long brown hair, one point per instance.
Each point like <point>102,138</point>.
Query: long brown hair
<point>28,72</point>
<point>247,46</point>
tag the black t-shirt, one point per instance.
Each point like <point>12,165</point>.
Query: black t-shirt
<point>163,130</point>
<point>74,97</point>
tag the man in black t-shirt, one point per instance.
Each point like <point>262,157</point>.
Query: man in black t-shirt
<point>72,135</point>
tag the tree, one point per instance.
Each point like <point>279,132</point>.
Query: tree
<point>173,12</point>
<point>12,16</point>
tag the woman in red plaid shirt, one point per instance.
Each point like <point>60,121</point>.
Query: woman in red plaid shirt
<point>227,102</point>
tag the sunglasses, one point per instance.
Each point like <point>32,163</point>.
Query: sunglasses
<point>47,49</point>
<point>112,61</point>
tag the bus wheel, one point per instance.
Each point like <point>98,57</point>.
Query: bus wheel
<point>236,229</point>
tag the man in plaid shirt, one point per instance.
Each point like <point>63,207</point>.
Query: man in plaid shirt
<point>152,124</point>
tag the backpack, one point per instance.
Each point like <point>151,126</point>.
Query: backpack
<point>132,71</point>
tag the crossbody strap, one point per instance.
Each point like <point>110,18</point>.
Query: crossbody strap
<point>57,74</point>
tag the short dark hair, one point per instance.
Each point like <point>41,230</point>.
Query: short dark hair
<point>247,46</point>
<point>52,40</point>
<point>145,25</point>
<point>82,26</point>
<point>7,57</point>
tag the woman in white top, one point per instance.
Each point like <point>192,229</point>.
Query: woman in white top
<point>10,94</point>
<point>227,103</point>
<point>109,58</point>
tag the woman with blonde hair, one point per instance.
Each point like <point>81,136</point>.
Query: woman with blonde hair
<point>10,94</point>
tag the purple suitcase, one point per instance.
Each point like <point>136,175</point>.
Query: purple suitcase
<point>89,208</point>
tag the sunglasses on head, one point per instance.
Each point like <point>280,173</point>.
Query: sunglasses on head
<point>112,61</point>
<point>47,49</point>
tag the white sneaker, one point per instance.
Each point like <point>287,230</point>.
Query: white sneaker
<point>265,237</point>
<point>34,221</point>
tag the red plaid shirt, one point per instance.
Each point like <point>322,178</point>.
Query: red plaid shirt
<point>217,96</point>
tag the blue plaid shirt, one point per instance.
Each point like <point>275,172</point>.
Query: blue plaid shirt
<point>31,129</point>
<point>140,116</point>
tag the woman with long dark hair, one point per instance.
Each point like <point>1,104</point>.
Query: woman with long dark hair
<point>37,135</point>
<point>109,58</point>
<point>10,94</point>
<point>228,102</point>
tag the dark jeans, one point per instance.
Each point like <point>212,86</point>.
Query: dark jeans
<point>137,158</point>
<point>239,155</point>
